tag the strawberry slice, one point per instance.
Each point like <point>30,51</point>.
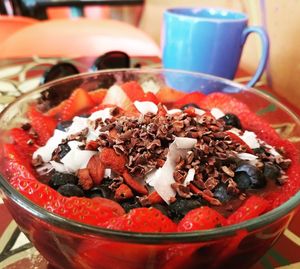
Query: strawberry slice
<point>201,218</point>
<point>169,95</point>
<point>133,90</point>
<point>97,96</point>
<point>143,219</point>
<point>26,142</point>
<point>253,207</point>
<point>77,103</point>
<point>42,124</point>
<point>190,98</point>
<point>16,163</point>
<point>90,211</point>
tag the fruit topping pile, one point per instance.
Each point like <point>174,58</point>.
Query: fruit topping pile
<point>128,159</point>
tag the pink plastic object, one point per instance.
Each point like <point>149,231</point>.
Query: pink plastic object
<point>11,24</point>
<point>80,37</point>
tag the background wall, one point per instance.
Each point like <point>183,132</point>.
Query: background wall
<point>281,18</point>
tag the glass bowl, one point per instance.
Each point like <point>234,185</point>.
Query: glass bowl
<point>69,244</point>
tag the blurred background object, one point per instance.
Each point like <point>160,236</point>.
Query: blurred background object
<point>280,18</point>
<point>124,10</point>
<point>80,37</point>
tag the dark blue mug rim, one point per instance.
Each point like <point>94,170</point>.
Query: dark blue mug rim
<point>187,12</point>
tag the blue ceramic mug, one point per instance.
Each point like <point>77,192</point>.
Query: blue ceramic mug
<point>208,40</point>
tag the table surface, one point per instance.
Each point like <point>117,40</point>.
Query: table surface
<point>16,252</point>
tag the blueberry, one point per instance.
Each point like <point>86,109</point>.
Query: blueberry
<point>100,191</point>
<point>259,150</point>
<point>220,192</point>
<point>271,171</point>
<point>242,180</point>
<point>130,204</point>
<point>232,120</point>
<point>256,177</point>
<point>63,125</point>
<point>60,179</point>
<point>64,149</point>
<point>190,105</point>
<point>70,190</point>
<point>182,206</point>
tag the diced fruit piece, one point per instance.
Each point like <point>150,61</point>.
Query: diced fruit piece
<point>97,96</point>
<point>133,90</point>
<point>86,210</point>
<point>111,159</point>
<point>123,192</point>
<point>79,102</point>
<point>253,207</point>
<point>143,220</point>
<point>139,188</point>
<point>201,218</point>
<point>96,169</point>
<point>42,124</point>
<point>169,95</point>
<point>194,97</point>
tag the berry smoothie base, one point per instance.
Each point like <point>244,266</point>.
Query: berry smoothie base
<point>222,164</point>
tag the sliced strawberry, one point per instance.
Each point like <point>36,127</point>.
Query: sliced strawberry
<point>16,163</point>
<point>79,102</point>
<point>42,124</point>
<point>99,107</point>
<point>26,142</point>
<point>143,220</point>
<point>97,96</point>
<point>201,218</point>
<point>89,211</point>
<point>151,97</point>
<point>169,95</point>
<point>133,90</point>
<point>253,207</point>
<point>190,98</point>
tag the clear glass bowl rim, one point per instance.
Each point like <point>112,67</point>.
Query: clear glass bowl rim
<point>149,238</point>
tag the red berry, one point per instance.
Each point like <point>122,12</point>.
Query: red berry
<point>253,207</point>
<point>143,220</point>
<point>42,124</point>
<point>201,218</point>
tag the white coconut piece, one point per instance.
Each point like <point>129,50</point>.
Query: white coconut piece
<point>150,86</point>
<point>76,158</point>
<point>146,107</point>
<point>46,151</point>
<point>162,178</point>
<point>116,96</point>
<point>217,113</point>
<point>59,167</point>
<point>174,111</point>
<point>189,177</point>
<point>247,156</point>
<point>78,124</point>
<point>199,111</point>
<point>250,139</point>
<point>107,172</point>
<point>103,114</point>
<point>185,142</point>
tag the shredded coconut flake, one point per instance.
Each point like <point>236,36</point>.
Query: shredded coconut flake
<point>217,113</point>
<point>189,177</point>
<point>145,107</point>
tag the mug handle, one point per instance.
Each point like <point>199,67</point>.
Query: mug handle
<point>265,51</point>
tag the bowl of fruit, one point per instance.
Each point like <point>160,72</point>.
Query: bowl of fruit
<point>149,169</point>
